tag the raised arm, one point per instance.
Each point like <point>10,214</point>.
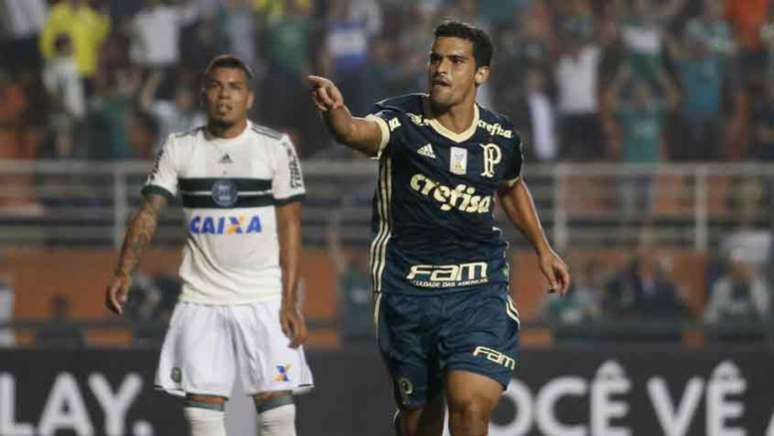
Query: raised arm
<point>289,235</point>
<point>517,202</point>
<point>139,234</point>
<point>360,134</point>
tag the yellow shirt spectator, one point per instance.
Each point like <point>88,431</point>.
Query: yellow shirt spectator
<point>86,27</point>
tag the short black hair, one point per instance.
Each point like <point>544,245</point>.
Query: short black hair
<point>482,43</point>
<point>229,61</point>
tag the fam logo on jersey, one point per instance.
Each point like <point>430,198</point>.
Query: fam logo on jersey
<point>462,197</point>
<point>224,225</point>
<point>282,373</point>
<point>492,157</point>
<point>224,193</point>
<point>495,356</point>
<point>448,276</point>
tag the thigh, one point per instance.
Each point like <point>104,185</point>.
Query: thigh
<point>407,345</point>
<point>197,356</point>
<point>266,361</point>
<point>480,334</point>
<point>466,390</point>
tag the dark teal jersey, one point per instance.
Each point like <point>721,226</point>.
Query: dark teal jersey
<point>433,212</point>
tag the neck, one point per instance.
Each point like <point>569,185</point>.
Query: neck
<point>456,118</point>
<point>226,131</point>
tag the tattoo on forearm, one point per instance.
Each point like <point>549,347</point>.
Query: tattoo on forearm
<point>138,237</point>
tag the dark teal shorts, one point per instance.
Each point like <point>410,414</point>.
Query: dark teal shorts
<point>423,338</point>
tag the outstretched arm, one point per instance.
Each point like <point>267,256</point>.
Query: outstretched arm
<point>518,205</point>
<point>138,236</point>
<point>361,134</point>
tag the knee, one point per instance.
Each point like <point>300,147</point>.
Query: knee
<point>469,416</point>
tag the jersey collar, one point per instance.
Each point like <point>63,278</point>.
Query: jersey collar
<point>443,131</point>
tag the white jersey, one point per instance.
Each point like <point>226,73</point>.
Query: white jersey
<point>229,188</point>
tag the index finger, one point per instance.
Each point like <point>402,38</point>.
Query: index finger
<point>316,80</point>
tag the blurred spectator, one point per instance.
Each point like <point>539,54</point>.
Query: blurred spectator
<point>762,123</point>
<point>711,28</point>
<point>143,135</point>
<point>702,75</point>
<point>384,76</point>
<point>108,116</point>
<point>65,91</point>
<point>288,46</point>
<point>642,32</point>
<point>535,116</point>
<point>767,37</point>
<point>354,284</point>
<point>741,295</point>
<point>199,43</point>
<point>584,301</point>
<point>747,19</point>
<point>86,28</point>
<point>179,115</point>
<point>641,119</point>
<point>519,49</point>
<point>578,106</point>
<point>18,141</point>
<point>156,34</point>
<point>643,291</point>
<point>346,53</point>
<point>20,24</point>
<point>59,330</point>
<point>239,28</point>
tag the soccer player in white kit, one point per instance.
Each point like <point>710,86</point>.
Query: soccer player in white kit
<point>238,316</point>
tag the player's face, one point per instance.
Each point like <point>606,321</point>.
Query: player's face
<point>227,96</point>
<point>451,72</point>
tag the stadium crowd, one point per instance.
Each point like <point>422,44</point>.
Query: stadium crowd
<point>586,80</point>
<point>633,81</point>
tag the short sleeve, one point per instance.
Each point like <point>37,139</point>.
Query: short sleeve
<point>514,169</point>
<point>388,120</point>
<point>288,182</point>
<point>162,179</point>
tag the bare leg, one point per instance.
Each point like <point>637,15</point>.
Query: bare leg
<point>472,397</point>
<point>425,421</point>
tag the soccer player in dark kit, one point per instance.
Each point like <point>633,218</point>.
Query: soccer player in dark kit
<point>446,326</point>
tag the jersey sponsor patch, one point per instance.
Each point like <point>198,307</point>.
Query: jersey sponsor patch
<point>458,162</point>
<point>462,197</point>
<point>224,225</point>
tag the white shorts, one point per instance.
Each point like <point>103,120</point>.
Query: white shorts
<point>206,346</point>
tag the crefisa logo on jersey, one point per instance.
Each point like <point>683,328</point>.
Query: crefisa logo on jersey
<point>224,193</point>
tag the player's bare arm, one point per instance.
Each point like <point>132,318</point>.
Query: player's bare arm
<point>139,234</point>
<point>520,208</point>
<point>289,235</point>
<point>360,134</point>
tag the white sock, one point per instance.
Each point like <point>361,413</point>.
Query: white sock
<point>205,422</point>
<point>277,417</point>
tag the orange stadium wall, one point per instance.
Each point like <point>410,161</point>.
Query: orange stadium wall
<point>81,275</point>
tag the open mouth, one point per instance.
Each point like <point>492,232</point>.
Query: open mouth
<point>441,83</point>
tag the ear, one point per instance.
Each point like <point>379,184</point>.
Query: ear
<point>250,100</point>
<point>202,98</point>
<point>481,76</point>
